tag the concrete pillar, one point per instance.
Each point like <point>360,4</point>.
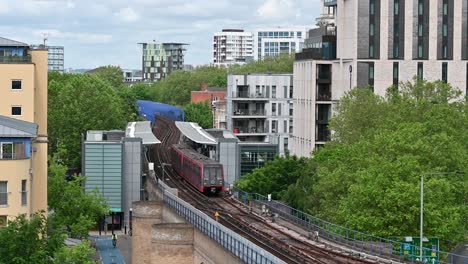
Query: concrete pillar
<point>145,214</point>
<point>172,244</point>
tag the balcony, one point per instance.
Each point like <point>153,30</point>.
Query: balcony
<point>253,130</point>
<point>248,95</point>
<point>15,59</point>
<point>323,92</point>
<point>246,113</point>
<point>322,133</point>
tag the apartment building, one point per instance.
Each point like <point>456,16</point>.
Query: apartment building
<point>232,46</point>
<point>259,108</point>
<point>276,41</point>
<point>375,43</point>
<point>23,129</point>
<point>160,59</point>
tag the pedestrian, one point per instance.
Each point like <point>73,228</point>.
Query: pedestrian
<point>114,239</point>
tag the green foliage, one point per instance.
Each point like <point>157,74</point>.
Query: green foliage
<point>368,178</point>
<point>80,253</point>
<point>112,74</point>
<point>275,177</point>
<point>72,208</point>
<point>27,241</point>
<point>199,113</point>
<point>177,87</point>
<point>78,103</point>
<point>279,64</point>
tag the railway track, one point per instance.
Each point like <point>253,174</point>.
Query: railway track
<point>238,218</point>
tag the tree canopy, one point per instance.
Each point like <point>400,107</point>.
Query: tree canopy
<point>368,177</point>
<point>78,103</point>
<point>199,113</point>
<point>112,74</point>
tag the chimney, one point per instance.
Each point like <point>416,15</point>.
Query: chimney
<point>204,87</point>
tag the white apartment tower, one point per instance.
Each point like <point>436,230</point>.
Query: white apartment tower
<point>274,41</point>
<point>259,108</point>
<point>232,46</point>
<point>376,43</point>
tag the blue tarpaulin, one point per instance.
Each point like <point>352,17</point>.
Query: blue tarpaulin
<point>148,109</point>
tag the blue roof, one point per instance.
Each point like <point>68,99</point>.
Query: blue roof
<point>148,109</point>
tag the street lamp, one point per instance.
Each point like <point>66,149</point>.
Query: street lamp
<point>422,207</point>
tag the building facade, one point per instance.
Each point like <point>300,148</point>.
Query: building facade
<point>276,41</point>
<point>23,129</point>
<point>56,57</point>
<point>132,76</point>
<point>376,44</point>
<point>259,108</point>
<point>232,46</point>
<point>160,59</point>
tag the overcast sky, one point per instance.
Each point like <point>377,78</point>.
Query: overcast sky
<point>103,32</point>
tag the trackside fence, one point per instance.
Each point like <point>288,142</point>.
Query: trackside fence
<point>359,241</point>
<point>242,248</point>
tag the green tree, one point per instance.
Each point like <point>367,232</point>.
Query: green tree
<point>72,208</point>
<point>81,253</point>
<point>277,64</point>
<point>78,103</point>
<point>112,74</point>
<point>368,177</point>
<point>275,177</point>
<point>200,113</point>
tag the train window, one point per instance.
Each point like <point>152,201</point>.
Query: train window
<point>219,173</point>
<point>207,174</point>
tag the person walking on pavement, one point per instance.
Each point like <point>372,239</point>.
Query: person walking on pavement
<point>114,239</point>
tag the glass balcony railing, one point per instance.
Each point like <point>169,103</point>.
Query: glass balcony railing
<point>15,59</point>
<point>248,130</point>
<point>247,112</point>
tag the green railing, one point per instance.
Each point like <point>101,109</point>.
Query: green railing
<point>15,59</point>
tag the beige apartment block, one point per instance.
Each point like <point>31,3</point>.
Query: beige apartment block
<point>23,129</point>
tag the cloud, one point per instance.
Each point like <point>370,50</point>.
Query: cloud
<point>78,37</point>
<point>127,14</point>
<point>277,9</point>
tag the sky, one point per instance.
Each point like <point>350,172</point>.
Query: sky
<point>107,32</point>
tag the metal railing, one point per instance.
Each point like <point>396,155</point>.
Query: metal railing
<point>248,130</point>
<point>247,112</point>
<point>246,94</point>
<point>239,246</point>
<point>362,242</point>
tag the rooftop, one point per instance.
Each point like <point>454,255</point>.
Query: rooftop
<point>10,127</point>
<point>4,42</point>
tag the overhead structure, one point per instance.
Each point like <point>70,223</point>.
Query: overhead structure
<point>148,109</point>
<point>142,130</point>
<point>195,133</point>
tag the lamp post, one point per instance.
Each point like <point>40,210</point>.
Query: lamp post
<point>163,171</point>
<point>130,221</point>
<point>422,207</point>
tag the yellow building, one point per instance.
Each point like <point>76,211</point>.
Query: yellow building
<point>23,129</point>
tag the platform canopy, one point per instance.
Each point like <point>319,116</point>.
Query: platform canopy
<point>195,133</point>
<point>142,130</point>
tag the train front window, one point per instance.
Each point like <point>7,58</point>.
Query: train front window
<point>219,173</point>
<point>207,174</point>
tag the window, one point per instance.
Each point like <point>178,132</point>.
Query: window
<point>6,150</point>
<point>421,8</point>
<point>420,51</point>
<point>273,91</point>
<point>445,30</point>
<point>24,197</point>
<point>445,8</point>
<point>372,7</point>
<point>444,52</point>
<point>285,91</point>
<point>285,126</point>
<point>371,51</point>
<point>274,126</point>
<point>3,193</point>
<point>16,85</point>
<point>396,30</point>
<point>396,8</point>
<point>273,108</point>
<point>371,71</point>
<point>420,70</point>
<point>444,71</point>
<point>396,51</point>
<point>420,30</point>
<point>395,73</point>
<point>290,92</point>
<point>371,29</point>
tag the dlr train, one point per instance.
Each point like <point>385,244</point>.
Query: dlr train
<point>200,171</point>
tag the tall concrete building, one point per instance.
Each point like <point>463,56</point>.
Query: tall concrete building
<point>160,59</point>
<point>23,129</point>
<point>275,41</point>
<point>232,46</point>
<point>376,43</point>
<point>259,108</point>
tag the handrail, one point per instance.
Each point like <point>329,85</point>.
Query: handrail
<point>239,246</point>
<point>360,241</point>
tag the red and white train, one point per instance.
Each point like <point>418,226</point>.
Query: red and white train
<point>200,171</point>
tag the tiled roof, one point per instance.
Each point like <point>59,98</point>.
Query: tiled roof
<point>10,127</point>
<point>14,43</point>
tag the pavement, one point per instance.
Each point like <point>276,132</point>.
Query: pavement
<point>122,254</point>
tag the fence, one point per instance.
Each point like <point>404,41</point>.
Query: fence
<point>373,245</point>
<point>242,248</point>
